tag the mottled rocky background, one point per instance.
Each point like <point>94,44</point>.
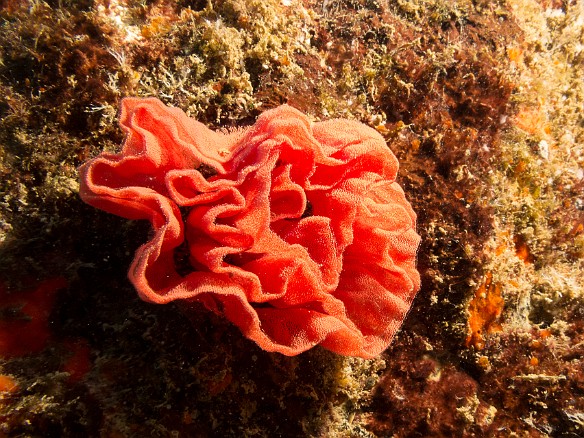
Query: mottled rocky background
<point>482,102</point>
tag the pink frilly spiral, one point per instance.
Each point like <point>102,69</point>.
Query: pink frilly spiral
<point>295,231</point>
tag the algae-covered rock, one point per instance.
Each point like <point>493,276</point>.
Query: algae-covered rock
<point>480,101</point>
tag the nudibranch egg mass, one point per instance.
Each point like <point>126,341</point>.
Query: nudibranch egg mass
<point>295,231</point>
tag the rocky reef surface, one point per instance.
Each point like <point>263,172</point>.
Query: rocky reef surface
<point>481,101</point>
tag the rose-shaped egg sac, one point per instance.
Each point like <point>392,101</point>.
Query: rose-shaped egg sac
<point>295,231</point>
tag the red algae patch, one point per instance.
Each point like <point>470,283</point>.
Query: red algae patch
<point>78,364</point>
<point>24,327</point>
